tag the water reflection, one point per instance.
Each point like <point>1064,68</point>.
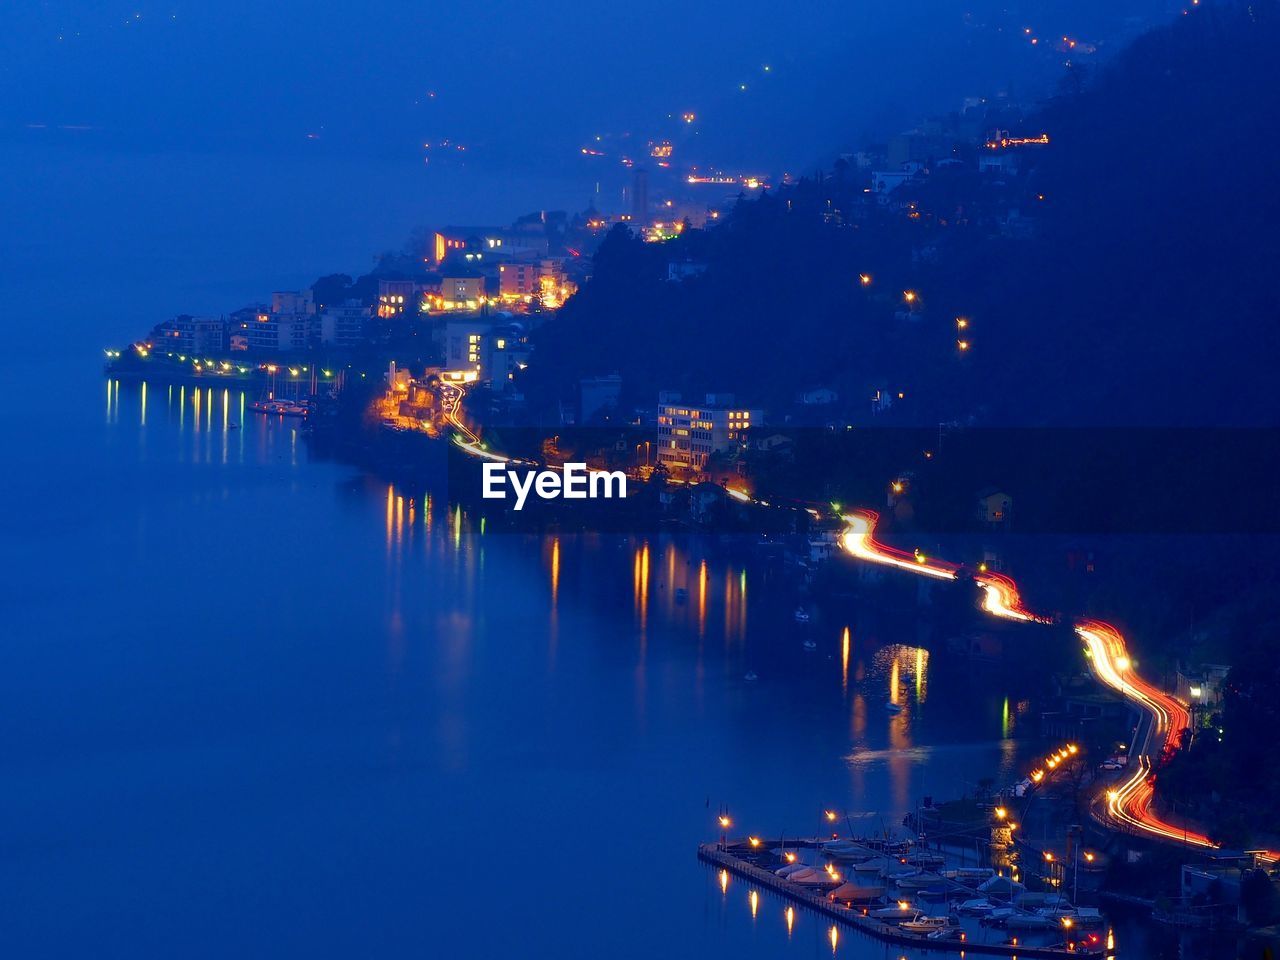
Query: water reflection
<point>429,640</point>
<point>844,661</point>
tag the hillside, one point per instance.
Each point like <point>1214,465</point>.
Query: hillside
<point>1136,289</point>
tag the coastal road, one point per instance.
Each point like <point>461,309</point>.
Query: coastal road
<point>1128,802</point>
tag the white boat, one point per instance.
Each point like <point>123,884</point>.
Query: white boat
<point>913,883</point>
<point>802,615</point>
<point>923,924</point>
<point>283,408</point>
<point>969,874</point>
<point>974,908</point>
<point>842,845</point>
<point>851,857</point>
<point>810,645</point>
<point>874,865</point>
<point>899,911</point>
<point>811,876</point>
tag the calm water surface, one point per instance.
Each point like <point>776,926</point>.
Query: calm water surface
<point>259,705</point>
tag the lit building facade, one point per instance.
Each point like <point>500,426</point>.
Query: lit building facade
<point>290,326</point>
<point>194,335</point>
<point>485,348</point>
<point>461,292</point>
<point>688,434</point>
<point>395,297</point>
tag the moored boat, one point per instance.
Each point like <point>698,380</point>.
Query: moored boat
<point>923,924</point>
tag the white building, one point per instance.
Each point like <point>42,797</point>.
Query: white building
<point>688,434</point>
<point>187,334</point>
<point>486,348</point>
<point>345,324</point>
<point>290,326</point>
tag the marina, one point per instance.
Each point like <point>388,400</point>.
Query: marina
<point>979,910</point>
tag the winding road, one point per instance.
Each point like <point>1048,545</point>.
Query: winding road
<point>1125,803</point>
<point>1128,802</point>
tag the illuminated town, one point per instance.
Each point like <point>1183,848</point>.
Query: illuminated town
<point>801,471</point>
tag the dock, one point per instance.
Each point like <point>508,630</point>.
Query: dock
<point>722,855</point>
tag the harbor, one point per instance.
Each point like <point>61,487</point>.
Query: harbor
<point>884,889</point>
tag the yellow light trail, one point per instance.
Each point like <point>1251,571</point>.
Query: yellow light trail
<point>1129,802</point>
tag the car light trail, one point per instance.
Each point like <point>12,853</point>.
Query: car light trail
<point>1128,802</point>
<point>858,540</point>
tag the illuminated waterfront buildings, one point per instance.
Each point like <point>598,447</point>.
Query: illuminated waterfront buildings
<point>688,434</point>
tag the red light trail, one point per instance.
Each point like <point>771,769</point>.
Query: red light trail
<point>1129,802</point>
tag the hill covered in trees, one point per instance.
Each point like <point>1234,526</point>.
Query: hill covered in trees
<point>1122,275</point>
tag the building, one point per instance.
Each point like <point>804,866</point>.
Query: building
<point>1201,686</point>
<point>518,281</point>
<point>238,325</point>
<point>995,507</point>
<point>461,290</point>
<point>640,195</point>
<point>290,326</point>
<point>485,348</point>
<point>884,182</point>
<point>998,162</point>
<point>681,270</point>
<point>293,302</point>
<point>598,396</point>
<point>688,434</point>
<point>345,324</point>
<point>188,334</point>
<point>394,297</point>
<point>819,397</point>
<point>280,333</point>
<point>505,353</point>
<point>481,243</point>
<point>464,342</point>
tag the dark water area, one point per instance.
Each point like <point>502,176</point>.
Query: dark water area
<point>262,705</point>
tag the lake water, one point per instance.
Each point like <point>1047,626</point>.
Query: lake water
<point>259,705</point>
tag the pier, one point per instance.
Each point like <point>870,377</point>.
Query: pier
<point>723,855</point>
